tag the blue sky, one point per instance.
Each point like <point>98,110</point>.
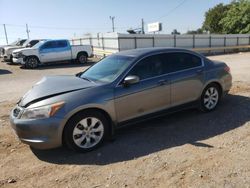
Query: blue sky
<point>68,18</point>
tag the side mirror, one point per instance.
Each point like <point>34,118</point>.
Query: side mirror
<point>129,80</point>
<point>28,45</point>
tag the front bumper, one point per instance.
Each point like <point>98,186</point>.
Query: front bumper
<point>38,133</point>
<point>7,58</point>
<point>18,60</point>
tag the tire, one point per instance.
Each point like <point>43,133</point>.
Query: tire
<point>31,62</point>
<point>85,131</point>
<point>82,58</point>
<point>210,98</point>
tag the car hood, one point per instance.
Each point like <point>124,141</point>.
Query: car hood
<point>20,50</point>
<point>10,47</point>
<point>51,86</point>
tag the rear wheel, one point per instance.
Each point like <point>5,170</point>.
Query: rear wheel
<point>85,131</point>
<point>82,58</point>
<point>31,62</point>
<point>210,98</point>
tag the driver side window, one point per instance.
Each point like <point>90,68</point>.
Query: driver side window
<point>148,67</point>
<point>48,45</point>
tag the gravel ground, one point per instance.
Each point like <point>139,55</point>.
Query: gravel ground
<point>185,149</point>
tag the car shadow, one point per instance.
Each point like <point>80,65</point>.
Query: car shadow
<point>3,71</point>
<point>62,65</point>
<point>141,139</point>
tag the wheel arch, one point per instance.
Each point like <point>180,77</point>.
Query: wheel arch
<point>216,82</point>
<point>29,56</point>
<point>82,52</point>
<point>111,123</point>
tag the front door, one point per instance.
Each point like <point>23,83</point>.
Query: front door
<point>151,94</point>
<point>47,52</point>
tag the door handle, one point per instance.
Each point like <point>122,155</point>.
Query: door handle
<point>199,71</point>
<point>162,82</point>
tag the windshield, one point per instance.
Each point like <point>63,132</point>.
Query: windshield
<point>14,43</point>
<point>25,43</point>
<point>20,43</point>
<point>108,69</point>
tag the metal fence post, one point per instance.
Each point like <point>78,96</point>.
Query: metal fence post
<point>90,41</point>
<point>225,43</point>
<point>193,41</point>
<point>135,42</point>
<point>80,41</point>
<point>153,38</point>
<point>174,40</point>
<point>103,43</point>
<point>119,48</point>
<point>210,41</point>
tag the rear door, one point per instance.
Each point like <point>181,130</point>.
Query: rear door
<point>187,77</point>
<point>151,94</point>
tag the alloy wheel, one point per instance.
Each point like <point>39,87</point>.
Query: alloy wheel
<point>82,59</point>
<point>88,132</point>
<point>211,98</point>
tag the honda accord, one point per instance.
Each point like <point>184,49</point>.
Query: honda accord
<point>82,110</point>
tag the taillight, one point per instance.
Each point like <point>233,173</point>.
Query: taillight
<point>227,69</point>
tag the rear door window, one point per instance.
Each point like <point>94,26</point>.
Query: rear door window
<point>179,61</point>
<point>62,44</point>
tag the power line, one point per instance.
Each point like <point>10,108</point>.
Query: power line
<point>62,28</point>
<point>172,10</point>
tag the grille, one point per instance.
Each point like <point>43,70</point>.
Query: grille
<point>16,112</point>
<point>1,51</point>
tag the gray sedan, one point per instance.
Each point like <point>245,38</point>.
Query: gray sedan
<point>81,111</point>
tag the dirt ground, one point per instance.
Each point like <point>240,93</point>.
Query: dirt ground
<point>185,149</point>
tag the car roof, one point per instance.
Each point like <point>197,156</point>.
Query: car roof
<point>57,39</point>
<point>147,51</point>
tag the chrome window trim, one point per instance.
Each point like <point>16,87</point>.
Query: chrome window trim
<point>159,53</point>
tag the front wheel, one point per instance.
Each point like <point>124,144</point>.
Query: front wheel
<point>85,131</point>
<point>210,98</point>
<point>31,63</point>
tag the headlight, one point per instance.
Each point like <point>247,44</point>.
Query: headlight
<point>41,112</point>
<point>17,54</point>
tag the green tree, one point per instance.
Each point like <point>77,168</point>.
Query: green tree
<point>175,32</point>
<point>213,18</point>
<point>198,31</point>
<point>237,18</point>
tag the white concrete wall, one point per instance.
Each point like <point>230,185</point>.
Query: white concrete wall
<point>127,41</point>
<point>118,42</point>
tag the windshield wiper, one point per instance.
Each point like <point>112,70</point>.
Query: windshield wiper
<point>86,79</point>
<point>78,74</point>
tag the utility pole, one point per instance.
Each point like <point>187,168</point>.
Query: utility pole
<point>113,24</point>
<point>6,36</point>
<point>27,31</point>
<point>142,26</point>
